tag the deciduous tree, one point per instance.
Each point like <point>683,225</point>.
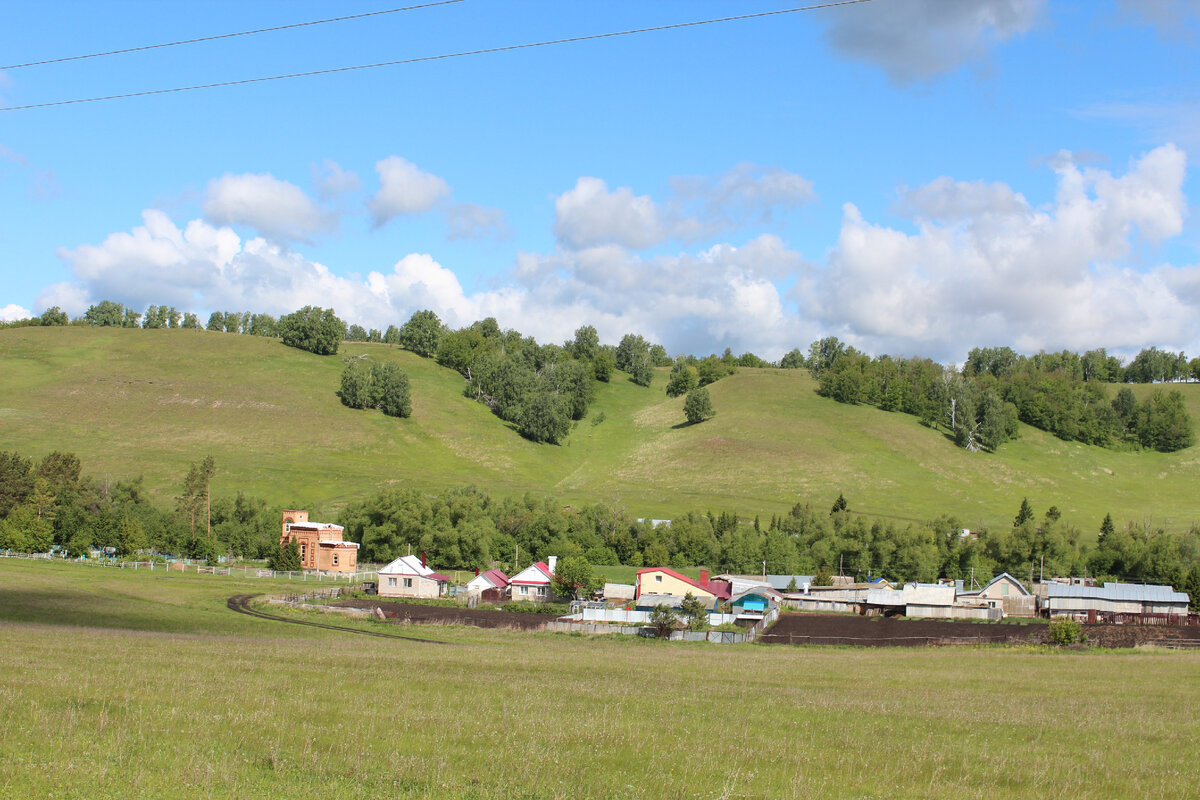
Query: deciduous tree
<point>422,334</point>
<point>698,406</point>
<point>313,329</point>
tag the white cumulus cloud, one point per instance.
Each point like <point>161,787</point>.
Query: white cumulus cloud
<point>977,264</point>
<point>985,267</point>
<point>277,209</point>
<point>404,188</point>
<point>590,214</point>
<point>12,311</point>
<point>697,207</point>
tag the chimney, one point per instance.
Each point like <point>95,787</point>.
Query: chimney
<point>552,562</point>
<point>422,559</point>
<point>703,577</point>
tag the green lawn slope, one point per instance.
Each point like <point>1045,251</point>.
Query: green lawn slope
<point>135,402</point>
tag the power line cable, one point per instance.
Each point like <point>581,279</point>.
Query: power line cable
<point>228,35</point>
<point>442,57</point>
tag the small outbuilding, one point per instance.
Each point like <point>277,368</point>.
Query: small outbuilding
<point>753,604</point>
<point>493,580</point>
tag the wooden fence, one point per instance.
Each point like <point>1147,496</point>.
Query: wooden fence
<point>1149,619</point>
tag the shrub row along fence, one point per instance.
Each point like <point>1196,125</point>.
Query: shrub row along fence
<point>184,566</point>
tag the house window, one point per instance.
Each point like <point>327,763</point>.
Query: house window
<point>541,591</point>
<point>335,559</point>
<point>391,581</point>
<point>524,590</point>
<point>408,583</point>
<point>658,578</point>
<point>303,551</point>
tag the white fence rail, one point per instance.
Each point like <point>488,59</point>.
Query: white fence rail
<point>185,566</point>
<point>631,617</point>
<point>582,623</point>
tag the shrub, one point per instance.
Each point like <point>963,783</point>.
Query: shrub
<point>524,606</point>
<point>662,621</point>
<point>1066,631</point>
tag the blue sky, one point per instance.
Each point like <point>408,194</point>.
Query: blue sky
<point>916,177</point>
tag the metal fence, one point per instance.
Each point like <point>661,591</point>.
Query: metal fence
<point>185,566</point>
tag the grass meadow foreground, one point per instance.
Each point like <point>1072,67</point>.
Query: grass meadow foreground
<point>119,684</point>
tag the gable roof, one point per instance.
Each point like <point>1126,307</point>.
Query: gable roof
<point>495,577</point>
<point>716,588</point>
<point>765,592</point>
<point>409,565</point>
<point>537,573</point>
<point>1002,576</point>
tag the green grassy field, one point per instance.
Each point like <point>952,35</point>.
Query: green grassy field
<point>150,402</point>
<point>120,684</point>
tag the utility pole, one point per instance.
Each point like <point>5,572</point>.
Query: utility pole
<point>1042,571</point>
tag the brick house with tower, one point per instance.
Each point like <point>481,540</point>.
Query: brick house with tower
<point>321,545</point>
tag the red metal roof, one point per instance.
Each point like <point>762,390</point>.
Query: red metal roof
<point>717,588</point>
<point>541,566</point>
<point>497,578</point>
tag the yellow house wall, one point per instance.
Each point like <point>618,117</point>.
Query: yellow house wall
<point>671,585</point>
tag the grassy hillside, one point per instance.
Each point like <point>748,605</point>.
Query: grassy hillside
<point>121,684</point>
<point>135,402</point>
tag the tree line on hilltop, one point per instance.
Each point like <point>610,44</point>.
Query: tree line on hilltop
<point>51,502</point>
<point>542,389</point>
<point>979,405</point>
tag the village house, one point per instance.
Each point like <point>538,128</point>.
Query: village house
<point>1098,603</point>
<point>409,576</point>
<point>321,545</point>
<point>490,586</point>
<point>780,583</point>
<point>533,582</point>
<point>1006,593</point>
<point>665,586</point>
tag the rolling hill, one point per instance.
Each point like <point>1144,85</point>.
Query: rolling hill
<point>135,402</point>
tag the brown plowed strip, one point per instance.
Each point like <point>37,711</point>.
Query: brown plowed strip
<point>811,628</point>
<point>476,617</point>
